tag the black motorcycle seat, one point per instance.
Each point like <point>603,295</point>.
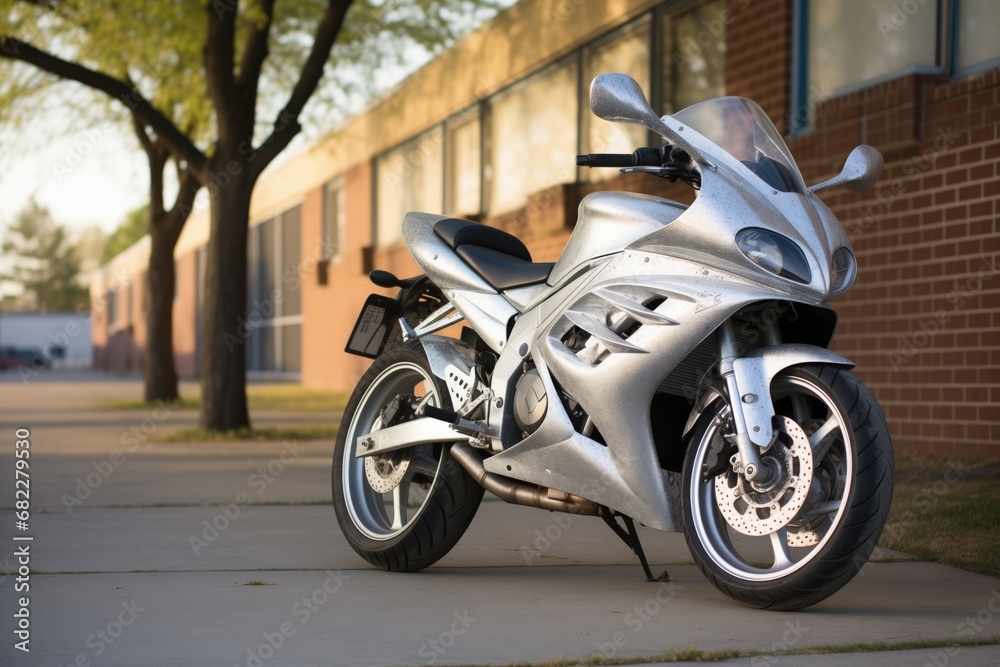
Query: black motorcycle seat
<point>457,232</point>
<point>503,271</point>
<point>498,257</point>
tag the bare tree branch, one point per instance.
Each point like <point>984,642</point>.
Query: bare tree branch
<point>179,212</point>
<point>256,51</point>
<point>157,155</point>
<point>286,125</point>
<point>179,144</point>
<point>140,132</point>
<point>219,60</point>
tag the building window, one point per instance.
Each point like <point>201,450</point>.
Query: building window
<point>693,55</point>
<point>626,51</point>
<point>408,178</point>
<point>274,308</point>
<point>843,45</point>
<point>334,215</point>
<point>463,176</point>
<point>113,309</point>
<point>533,137</point>
<point>976,44</point>
<point>129,296</point>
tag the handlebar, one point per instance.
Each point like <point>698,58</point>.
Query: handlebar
<point>648,156</point>
<point>670,162</point>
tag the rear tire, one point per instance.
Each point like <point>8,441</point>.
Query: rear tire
<point>833,530</point>
<point>425,501</point>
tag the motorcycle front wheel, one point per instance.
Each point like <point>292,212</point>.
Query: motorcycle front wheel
<point>797,540</point>
<point>404,509</point>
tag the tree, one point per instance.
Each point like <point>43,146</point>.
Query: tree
<point>248,50</point>
<point>124,54</point>
<point>89,245</point>
<point>43,263</point>
<point>126,234</point>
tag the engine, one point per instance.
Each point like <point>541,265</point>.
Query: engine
<point>530,402</point>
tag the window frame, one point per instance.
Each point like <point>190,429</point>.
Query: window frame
<point>659,93</point>
<point>646,20</point>
<point>800,84</point>
<point>255,351</point>
<point>650,18</point>
<point>378,157</point>
<point>572,59</point>
<point>950,26</point>
<point>335,255</point>
<point>474,113</point>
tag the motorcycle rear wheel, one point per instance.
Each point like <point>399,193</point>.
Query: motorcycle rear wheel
<point>796,544</point>
<point>408,507</point>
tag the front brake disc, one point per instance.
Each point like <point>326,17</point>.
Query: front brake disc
<point>757,512</point>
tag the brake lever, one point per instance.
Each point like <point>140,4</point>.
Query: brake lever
<point>670,172</point>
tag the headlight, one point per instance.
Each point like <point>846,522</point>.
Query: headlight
<point>775,253</point>
<point>844,271</point>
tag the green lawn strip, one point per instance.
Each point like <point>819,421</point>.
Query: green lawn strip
<point>291,397</point>
<point>958,528</point>
<point>185,402</point>
<point>946,511</point>
<point>295,397</point>
<point>267,433</point>
<point>694,654</point>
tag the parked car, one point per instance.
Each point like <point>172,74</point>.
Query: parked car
<point>8,358</point>
<point>32,357</point>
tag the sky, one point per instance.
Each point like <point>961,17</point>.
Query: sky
<point>91,176</point>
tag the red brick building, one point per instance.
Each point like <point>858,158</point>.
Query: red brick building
<point>490,128</point>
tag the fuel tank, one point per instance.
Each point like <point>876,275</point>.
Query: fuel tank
<point>609,221</point>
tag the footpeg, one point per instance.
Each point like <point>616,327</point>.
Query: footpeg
<point>458,422</point>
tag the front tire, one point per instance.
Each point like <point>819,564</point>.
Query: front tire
<point>792,545</point>
<point>405,509</point>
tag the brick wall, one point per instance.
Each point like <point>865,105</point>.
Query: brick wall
<point>758,54</point>
<point>922,319</point>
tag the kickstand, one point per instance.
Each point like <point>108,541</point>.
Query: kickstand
<point>631,539</point>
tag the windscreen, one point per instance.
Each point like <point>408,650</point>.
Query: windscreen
<point>743,130</point>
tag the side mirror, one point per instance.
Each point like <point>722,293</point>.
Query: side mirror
<point>619,99</point>
<point>860,172</point>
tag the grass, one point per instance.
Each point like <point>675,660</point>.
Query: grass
<point>291,397</point>
<point>694,654</point>
<point>266,434</point>
<point>946,511</point>
<point>184,403</point>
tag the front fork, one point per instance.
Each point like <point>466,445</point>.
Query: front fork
<point>748,380</point>
<point>753,468</point>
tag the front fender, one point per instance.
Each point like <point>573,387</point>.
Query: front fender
<point>754,373</point>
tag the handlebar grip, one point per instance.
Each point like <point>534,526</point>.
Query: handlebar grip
<point>606,160</point>
<point>649,156</point>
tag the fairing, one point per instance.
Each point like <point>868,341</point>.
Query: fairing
<point>645,282</point>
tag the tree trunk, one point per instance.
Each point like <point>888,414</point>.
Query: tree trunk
<point>159,371</point>
<point>224,332</point>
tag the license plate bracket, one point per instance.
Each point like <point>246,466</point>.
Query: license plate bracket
<point>371,331</point>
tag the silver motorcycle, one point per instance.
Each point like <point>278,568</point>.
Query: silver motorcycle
<point>670,369</point>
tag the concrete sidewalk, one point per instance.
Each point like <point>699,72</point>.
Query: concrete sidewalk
<point>141,566</point>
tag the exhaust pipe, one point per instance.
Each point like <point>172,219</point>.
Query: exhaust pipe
<point>519,493</point>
